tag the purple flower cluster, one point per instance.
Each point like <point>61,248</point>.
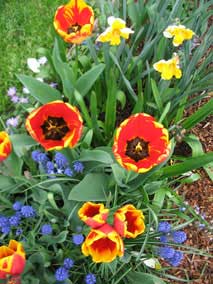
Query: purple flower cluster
<point>172,256</point>
<point>90,278</point>
<point>46,229</point>
<point>21,212</point>
<point>58,165</point>
<point>62,273</point>
<point>12,94</point>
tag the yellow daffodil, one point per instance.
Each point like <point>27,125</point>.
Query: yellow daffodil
<point>179,34</point>
<point>117,29</point>
<point>169,68</point>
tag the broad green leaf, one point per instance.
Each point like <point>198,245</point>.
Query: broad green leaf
<point>5,182</point>
<point>143,278</point>
<point>199,115</point>
<point>96,155</point>
<point>197,149</point>
<point>55,239</point>
<point>126,81</point>
<point>158,199</point>
<point>93,187</point>
<point>87,80</point>
<point>191,178</point>
<point>80,100</point>
<point>152,187</point>
<point>42,92</point>
<point>14,165</point>
<point>65,72</point>
<point>22,143</point>
<point>187,165</point>
<point>121,97</point>
<point>119,174</point>
<point>157,96</point>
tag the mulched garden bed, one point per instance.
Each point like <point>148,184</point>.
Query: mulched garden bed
<point>199,196</point>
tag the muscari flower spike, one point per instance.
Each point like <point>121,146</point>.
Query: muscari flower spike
<point>141,143</point>
<point>68,263</point>
<point>164,227</point>
<point>117,29</point>
<point>74,21</point>
<point>55,125</point>
<point>90,278</point>
<point>77,239</point>
<point>46,229</point>
<point>169,68</point>
<point>61,274</point>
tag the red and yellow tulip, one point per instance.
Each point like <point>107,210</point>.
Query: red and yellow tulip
<point>93,214</point>
<point>12,259</point>
<point>103,244</point>
<point>5,146</point>
<point>55,125</point>
<point>169,68</point>
<point>179,34</point>
<point>141,143</point>
<point>129,221</point>
<point>74,21</point>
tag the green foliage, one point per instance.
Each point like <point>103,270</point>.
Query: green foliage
<point>107,84</point>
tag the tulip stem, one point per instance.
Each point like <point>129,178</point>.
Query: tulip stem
<point>76,59</point>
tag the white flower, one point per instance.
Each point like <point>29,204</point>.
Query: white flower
<point>42,60</point>
<point>40,79</point>
<point>33,65</point>
<point>25,90</point>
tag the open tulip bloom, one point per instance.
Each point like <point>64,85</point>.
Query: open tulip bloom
<point>74,21</point>
<point>117,29</point>
<point>129,222</point>
<point>141,143</point>
<point>5,146</point>
<point>104,244</point>
<point>12,259</point>
<point>179,33</point>
<point>93,214</point>
<point>169,68</point>
<point>55,125</point>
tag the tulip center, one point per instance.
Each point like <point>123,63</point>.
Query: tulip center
<point>137,149</point>
<point>54,128</point>
<point>74,29</point>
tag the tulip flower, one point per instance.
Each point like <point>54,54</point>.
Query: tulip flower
<point>141,143</point>
<point>74,21</point>
<point>12,259</point>
<point>55,125</point>
<point>129,221</point>
<point>5,146</point>
<point>93,214</point>
<point>103,244</point>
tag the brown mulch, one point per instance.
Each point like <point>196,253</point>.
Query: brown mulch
<point>199,196</point>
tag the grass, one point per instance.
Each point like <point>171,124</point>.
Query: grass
<point>25,25</point>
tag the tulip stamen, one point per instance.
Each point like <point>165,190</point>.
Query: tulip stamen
<point>74,29</point>
<point>54,128</point>
<point>137,149</point>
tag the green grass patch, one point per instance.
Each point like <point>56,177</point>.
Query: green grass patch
<point>25,25</point>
